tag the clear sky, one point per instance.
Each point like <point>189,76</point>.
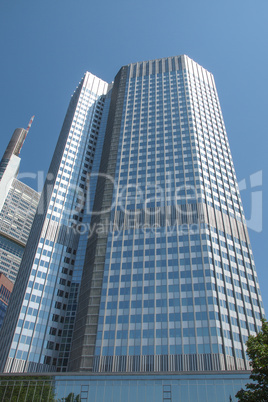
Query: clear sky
<point>46,46</point>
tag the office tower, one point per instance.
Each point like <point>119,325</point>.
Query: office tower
<point>6,287</point>
<point>168,282</point>
<point>18,203</point>
<point>47,269</point>
<point>172,281</point>
<point>13,150</point>
<point>16,218</point>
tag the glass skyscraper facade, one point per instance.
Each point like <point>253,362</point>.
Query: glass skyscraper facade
<point>220,387</point>
<point>44,285</point>
<point>179,289</point>
<point>161,277</point>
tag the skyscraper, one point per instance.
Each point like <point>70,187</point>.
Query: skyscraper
<point>46,279</point>
<point>18,203</point>
<point>6,287</point>
<point>172,282</point>
<point>167,281</point>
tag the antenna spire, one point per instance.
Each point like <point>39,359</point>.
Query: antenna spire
<point>29,125</point>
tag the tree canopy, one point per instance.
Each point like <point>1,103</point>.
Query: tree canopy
<point>257,350</point>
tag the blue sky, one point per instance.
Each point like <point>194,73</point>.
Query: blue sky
<point>47,46</point>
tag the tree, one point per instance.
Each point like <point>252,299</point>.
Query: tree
<point>72,398</point>
<point>27,388</point>
<point>257,350</point>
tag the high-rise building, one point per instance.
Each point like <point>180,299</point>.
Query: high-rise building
<point>171,284</point>
<point>6,287</point>
<point>160,277</point>
<point>50,272</point>
<point>18,203</point>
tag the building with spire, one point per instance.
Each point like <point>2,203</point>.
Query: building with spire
<point>18,203</point>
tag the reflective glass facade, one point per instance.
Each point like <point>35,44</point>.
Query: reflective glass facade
<point>45,292</point>
<point>160,277</point>
<point>179,290</point>
<point>214,387</point>
<point>3,309</point>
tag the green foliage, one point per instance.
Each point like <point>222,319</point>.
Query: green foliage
<point>257,350</point>
<point>28,388</point>
<point>72,398</point>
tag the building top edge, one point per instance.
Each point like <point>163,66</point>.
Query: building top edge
<point>158,59</point>
<point>88,73</point>
<point>30,189</point>
<point>138,63</point>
